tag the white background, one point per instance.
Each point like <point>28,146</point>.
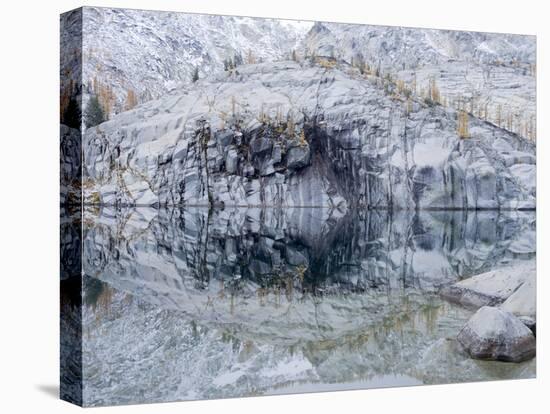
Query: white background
<point>29,204</point>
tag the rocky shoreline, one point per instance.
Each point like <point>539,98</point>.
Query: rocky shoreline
<point>504,326</point>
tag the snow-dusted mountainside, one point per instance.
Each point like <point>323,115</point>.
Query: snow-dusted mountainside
<point>310,134</point>
<point>132,56</point>
<point>409,48</point>
<point>490,74</point>
<point>151,52</point>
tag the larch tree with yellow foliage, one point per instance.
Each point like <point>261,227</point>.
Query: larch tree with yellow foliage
<point>463,128</point>
<point>131,100</point>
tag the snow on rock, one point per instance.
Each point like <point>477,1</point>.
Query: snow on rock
<point>291,134</point>
<point>494,287</point>
<point>234,301</point>
<point>497,335</point>
<point>152,52</point>
<point>404,47</point>
<point>494,70</point>
<point>523,302</point>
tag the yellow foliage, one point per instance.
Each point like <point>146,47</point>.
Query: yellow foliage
<point>499,115</point>
<point>250,59</point>
<point>302,139</point>
<point>409,106</point>
<point>223,119</point>
<point>262,116</point>
<point>326,63</point>
<point>434,93</point>
<point>290,124</point>
<point>463,129</point>
<point>105,96</point>
<point>400,85</point>
<point>131,100</point>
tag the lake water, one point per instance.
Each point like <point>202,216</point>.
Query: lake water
<point>194,303</point>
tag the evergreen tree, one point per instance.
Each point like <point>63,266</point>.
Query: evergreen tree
<point>360,63</point>
<point>237,60</point>
<point>71,114</point>
<point>195,75</point>
<point>94,113</point>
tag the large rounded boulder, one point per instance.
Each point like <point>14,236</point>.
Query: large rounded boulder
<point>494,334</point>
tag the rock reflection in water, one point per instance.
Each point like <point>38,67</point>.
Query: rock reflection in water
<point>191,303</point>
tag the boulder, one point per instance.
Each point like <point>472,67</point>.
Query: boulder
<point>494,334</point>
<point>276,154</point>
<point>490,288</point>
<point>530,322</point>
<point>298,157</point>
<point>261,146</point>
<point>224,138</point>
<point>523,302</point>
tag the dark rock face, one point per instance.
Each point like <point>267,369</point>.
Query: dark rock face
<point>497,335</point>
<point>298,157</point>
<point>319,249</point>
<point>70,165</point>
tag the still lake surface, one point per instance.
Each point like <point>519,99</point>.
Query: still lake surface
<point>192,304</point>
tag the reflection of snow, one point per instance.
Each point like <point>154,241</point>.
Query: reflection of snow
<point>525,243</point>
<point>379,381</point>
<point>135,352</point>
<point>228,378</point>
<point>290,369</point>
<point>155,331</point>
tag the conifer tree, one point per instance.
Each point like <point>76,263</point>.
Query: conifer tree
<point>435,95</point>
<point>463,129</point>
<point>71,115</point>
<point>94,113</point>
<point>131,100</point>
<point>360,63</point>
<point>499,115</point>
<point>250,59</point>
<point>195,75</point>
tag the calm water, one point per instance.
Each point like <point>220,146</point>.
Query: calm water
<point>192,304</point>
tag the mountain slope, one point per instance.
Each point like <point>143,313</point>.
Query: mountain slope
<point>304,135</point>
<point>151,52</point>
<point>493,75</point>
<point>409,48</point>
<point>132,56</point>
